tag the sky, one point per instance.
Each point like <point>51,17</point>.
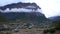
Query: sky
<point>49,7</point>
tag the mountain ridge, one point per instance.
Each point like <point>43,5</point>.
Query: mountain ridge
<point>20,5</point>
<point>54,18</point>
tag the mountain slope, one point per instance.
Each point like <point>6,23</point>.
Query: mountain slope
<point>36,18</point>
<point>55,18</point>
<point>19,15</point>
<point>24,19</point>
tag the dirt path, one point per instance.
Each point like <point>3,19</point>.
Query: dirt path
<point>33,31</point>
<point>29,31</point>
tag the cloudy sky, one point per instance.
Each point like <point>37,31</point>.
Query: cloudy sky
<point>48,7</point>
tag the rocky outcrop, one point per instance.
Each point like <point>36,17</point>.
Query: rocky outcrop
<point>21,5</point>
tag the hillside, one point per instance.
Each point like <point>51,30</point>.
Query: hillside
<point>22,19</point>
<point>54,18</point>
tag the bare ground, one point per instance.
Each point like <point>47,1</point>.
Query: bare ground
<point>29,31</point>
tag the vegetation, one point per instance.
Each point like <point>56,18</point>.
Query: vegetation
<point>56,24</point>
<point>50,30</point>
<point>2,18</point>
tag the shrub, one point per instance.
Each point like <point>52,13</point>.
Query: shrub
<point>52,30</point>
<point>46,31</point>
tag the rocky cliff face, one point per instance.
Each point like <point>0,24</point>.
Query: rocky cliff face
<point>21,5</point>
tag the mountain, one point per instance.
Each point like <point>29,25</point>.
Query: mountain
<point>55,18</point>
<point>2,18</point>
<point>36,19</point>
<point>20,5</point>
<point>55,22</point>
<point>17,20</point>
<point>37,16</point>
